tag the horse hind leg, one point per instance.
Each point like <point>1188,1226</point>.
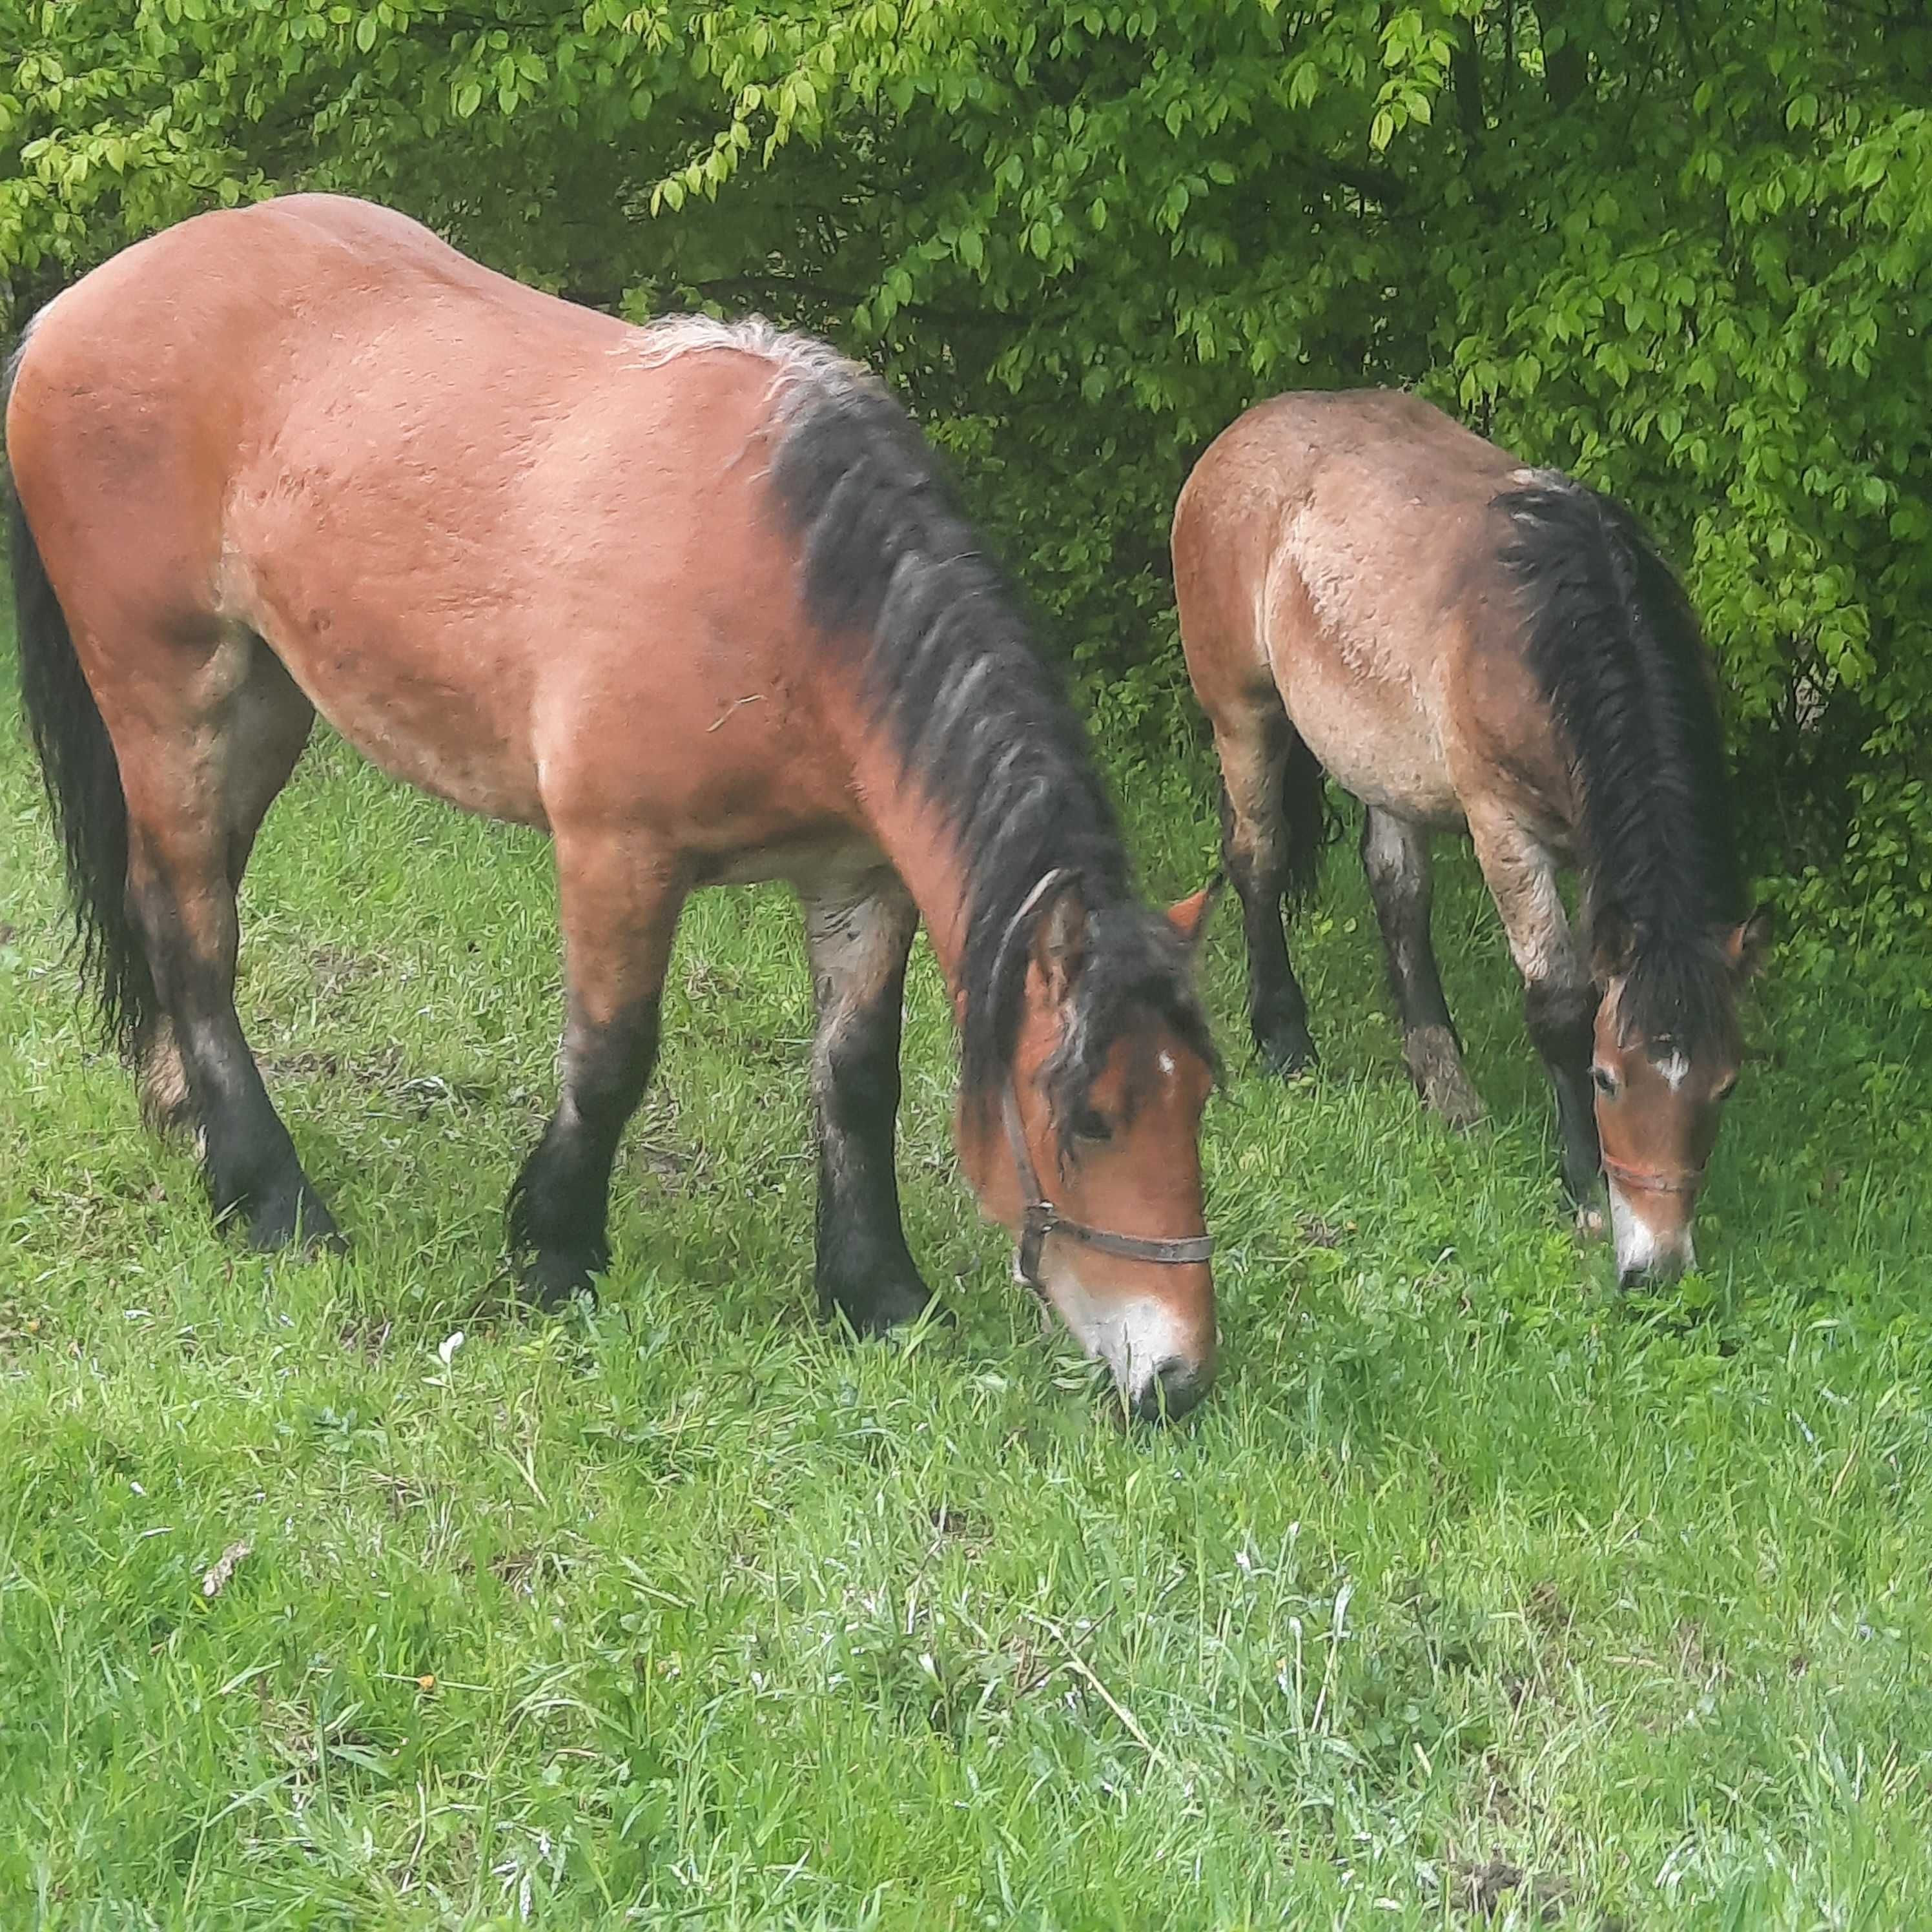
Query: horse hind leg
<point>1271,831</point>
<point>1395,855</point>
<point>859,936</point>
<point>270,726</point>
<point>197,780</point>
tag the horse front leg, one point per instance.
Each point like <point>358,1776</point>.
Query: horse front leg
<point>1559,1001</point>
<point>858,935</point>
<point>619,899</point>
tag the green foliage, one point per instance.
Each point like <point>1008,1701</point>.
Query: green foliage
<point>1681,247</point>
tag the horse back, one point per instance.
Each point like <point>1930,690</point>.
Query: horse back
<point>469,518</point>
<point>1343,549</point>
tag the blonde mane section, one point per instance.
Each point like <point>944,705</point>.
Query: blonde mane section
<point>801,365</point>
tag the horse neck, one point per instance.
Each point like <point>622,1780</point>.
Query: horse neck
<point>913,832</point>
<point>923,840</point>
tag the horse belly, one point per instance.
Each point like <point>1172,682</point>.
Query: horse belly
<point>413,635</point>
<point>444,712</point>
<point>421,732</point>
<point>1374,737</point>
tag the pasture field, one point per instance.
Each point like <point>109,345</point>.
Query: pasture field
<point>1476,1594</point>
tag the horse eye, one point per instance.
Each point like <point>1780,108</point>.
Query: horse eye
<point>1720,1094</point>
<point>1607,1081</point>
<point>1091,1127</point>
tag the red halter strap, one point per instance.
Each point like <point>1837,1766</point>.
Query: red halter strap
<point>1648,1180</point>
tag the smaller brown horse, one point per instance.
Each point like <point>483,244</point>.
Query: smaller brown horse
<point>693,599</point>
<point>1366,588</point>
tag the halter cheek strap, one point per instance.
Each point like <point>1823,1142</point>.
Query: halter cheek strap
<point>1038,1216</point>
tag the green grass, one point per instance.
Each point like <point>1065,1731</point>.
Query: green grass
<point>1471,1569</point>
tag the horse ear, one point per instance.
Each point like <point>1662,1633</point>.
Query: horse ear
<point>1613,941</point>
<point>1190,915</point>
<point>1060,942</point>
<point>1746,947</point>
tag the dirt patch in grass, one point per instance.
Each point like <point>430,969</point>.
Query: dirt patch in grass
<point>338,967</point>
<point>952,1525</point>
<point>1548,1611</point>
<point>523,1571</point>
<point>670,1168</point>
<point>1317,1233</point>
<point>383,1076</point>
<point>1482,1891</point>
<point>369,1340</point>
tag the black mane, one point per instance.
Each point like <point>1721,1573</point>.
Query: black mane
<point>1616,646</point>
<point>889,559</point>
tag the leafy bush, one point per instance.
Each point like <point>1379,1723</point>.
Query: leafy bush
<point>1683,249</point>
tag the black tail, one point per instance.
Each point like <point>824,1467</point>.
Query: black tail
<point>83,782</point>
<point>1308,824</point>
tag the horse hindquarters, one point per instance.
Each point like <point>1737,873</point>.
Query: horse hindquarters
<point>162,746</point>
<point>1395,856</point>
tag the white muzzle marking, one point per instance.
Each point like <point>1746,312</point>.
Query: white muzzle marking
<point>1638,1248</point>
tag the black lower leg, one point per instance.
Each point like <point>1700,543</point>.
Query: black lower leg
<point>251,1164</point>
<point>1396,861</point>
<point>1561,1019</point>
<point>559,1207</point>
<point>1395,856</point>
<point>1277,1009</point>
<point>863,1269</point>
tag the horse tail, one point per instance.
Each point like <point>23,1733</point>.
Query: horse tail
<point>82,778</point>
<point>1307,822</point>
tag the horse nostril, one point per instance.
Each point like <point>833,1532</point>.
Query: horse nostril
<point>1658,1272</point>
<point>1174,1388</point>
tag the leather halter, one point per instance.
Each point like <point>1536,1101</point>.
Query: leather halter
<point>1648,1180</point>
<point>1039,1217</point>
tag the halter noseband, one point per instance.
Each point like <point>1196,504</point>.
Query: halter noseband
<point>1648,1180</point>
<point>1039,1217</point>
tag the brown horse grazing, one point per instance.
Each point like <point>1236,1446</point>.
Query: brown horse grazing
<point>1367,589</point>
<point>693,599</point>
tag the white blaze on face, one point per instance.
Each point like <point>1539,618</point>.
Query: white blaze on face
<point>1676,1070</point>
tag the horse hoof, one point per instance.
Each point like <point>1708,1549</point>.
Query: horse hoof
<point>877,1309</point>
<point>1436,1066</point>
<point>562,1300</point>
<point>1288,1056</point>
<point>1590,1224</point>
<point>296,1220</point>
<point>1458,1107</point>
<point>553,1283</point>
